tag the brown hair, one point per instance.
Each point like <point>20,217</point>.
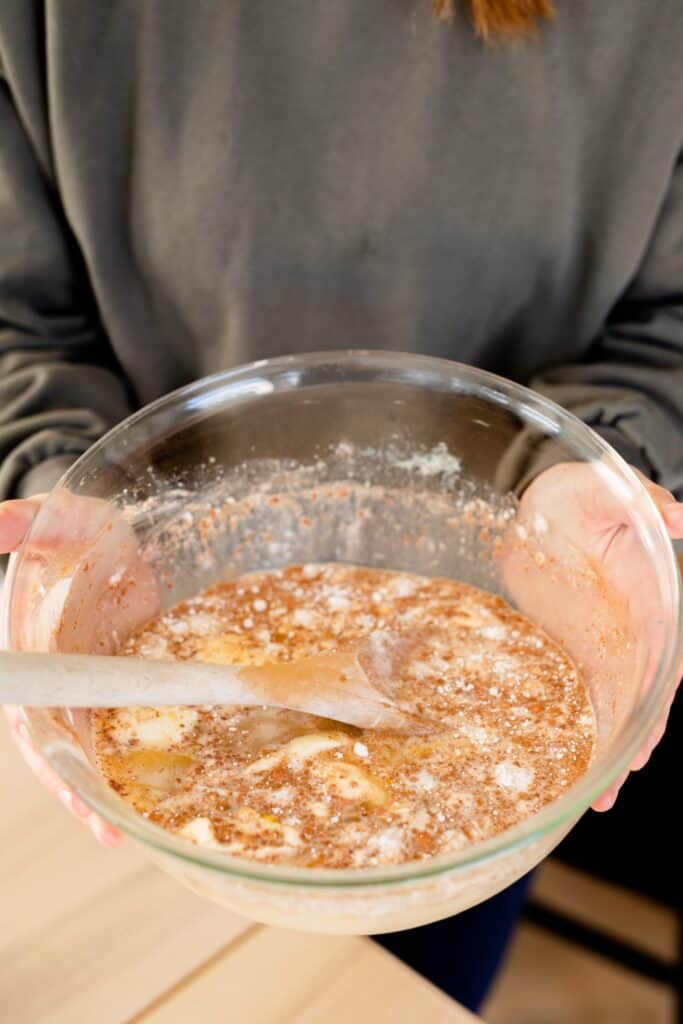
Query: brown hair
<point>501,18</point>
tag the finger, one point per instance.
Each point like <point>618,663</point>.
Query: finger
<point>73,519</point>
<point>72,803</point>
<point>643,755</point>
<point>101,829</point>
<point>104,833</point>
<point>606,800</point>
<point>44,773</point>
<point>15,518</point>
<point>670,510</point>
<point>12,714</point>
<point>673,517</point>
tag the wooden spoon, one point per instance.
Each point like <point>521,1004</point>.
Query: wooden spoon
<point>350,686</point>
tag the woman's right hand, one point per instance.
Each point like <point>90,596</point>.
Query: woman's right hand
<point>75,524</point>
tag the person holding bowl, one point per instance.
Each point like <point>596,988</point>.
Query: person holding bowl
<point>185,187</point>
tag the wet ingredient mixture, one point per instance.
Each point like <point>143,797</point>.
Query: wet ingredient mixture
<point>515,730</point>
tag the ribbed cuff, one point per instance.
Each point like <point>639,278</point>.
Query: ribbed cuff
<point>628,450</point>
<point>44,475</point>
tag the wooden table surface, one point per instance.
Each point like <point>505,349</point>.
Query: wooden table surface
<point>96,936</point>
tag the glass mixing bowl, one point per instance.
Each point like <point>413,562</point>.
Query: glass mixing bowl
<point>377,459</point>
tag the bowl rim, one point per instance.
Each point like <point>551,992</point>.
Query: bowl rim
<point>282,373</point>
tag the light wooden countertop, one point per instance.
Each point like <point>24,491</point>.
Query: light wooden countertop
<point>96,936</point>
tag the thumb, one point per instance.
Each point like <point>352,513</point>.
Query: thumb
<point>15,519</point>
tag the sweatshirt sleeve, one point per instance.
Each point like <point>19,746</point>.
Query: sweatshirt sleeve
<point>629,388</point>
<point>60,386</point>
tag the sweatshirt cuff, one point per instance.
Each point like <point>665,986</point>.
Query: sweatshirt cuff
<point>525,460</point>
<point>628,450</point>
<point>44,475</point>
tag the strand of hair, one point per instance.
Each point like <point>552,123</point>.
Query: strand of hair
<point>501,19</point>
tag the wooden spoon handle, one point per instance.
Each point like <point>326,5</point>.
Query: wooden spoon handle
<point>97,681</point>
<point>331,685</point>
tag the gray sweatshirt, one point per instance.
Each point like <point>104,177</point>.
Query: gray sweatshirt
<point>189,184</point>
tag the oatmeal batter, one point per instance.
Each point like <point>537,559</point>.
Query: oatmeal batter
<point>514,724</point>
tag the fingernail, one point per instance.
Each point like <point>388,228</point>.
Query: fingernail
<point>80,808</point>
<point>64,795</point>
<point>21,732</point>
<point>102,832</point>
<point>74,804</point>
<point>112,838</point>
<point>95,826</point>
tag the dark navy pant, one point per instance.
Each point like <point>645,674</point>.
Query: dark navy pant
<point>462,954</point>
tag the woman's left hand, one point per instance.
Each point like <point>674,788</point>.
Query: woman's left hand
<point>583,524</point>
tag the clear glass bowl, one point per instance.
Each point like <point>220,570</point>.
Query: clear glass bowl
<point>378,459</point>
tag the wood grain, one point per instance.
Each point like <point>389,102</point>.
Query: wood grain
<point>103,937</point>
<point>278,977</point>
<point>88,934</point>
